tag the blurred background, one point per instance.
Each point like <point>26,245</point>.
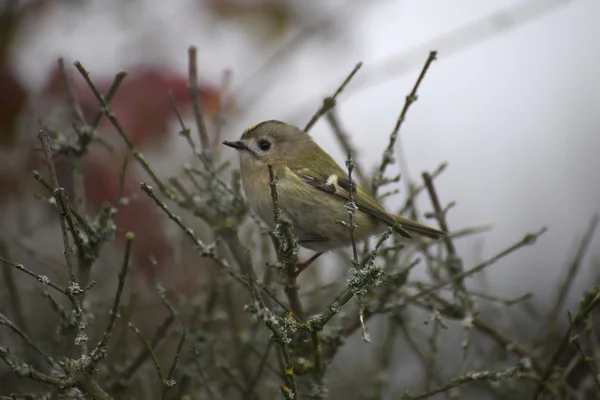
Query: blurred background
<point>511,103</point>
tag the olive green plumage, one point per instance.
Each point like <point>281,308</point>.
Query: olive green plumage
<point>313,189</point>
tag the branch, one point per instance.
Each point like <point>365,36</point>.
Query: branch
<point>102,348</point>
<point>195,94</point>
<point>574,267</point>
<point>286,246</point>
<point>527,240</point>
<point>590,301</point>
<point>330,102</point>
<point>388,154</point>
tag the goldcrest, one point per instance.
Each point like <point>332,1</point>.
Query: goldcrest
<point>313,189</point>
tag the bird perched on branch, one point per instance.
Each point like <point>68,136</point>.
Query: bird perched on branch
<point>313,190</point>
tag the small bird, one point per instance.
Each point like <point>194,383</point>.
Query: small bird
<point>313,189</point>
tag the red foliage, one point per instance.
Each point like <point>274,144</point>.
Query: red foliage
<point>141,104</point>
<point>140,215</point>
<point>144,110</point>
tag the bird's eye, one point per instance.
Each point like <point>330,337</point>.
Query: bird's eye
<point>264,144</point>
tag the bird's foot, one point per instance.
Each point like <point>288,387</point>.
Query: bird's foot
<point>302,266</point>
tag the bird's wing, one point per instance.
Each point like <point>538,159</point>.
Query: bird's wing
<point>338,185</point>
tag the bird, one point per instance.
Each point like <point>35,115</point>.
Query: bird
<point>313,190</point>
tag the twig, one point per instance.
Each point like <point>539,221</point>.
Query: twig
<point>439,212</point>
<point>140,359</point>
<point>67,224</point>
<point>590,301</point>
<point>286,246</point>
<point>223,108</point>
<point>351,208</point>
<point>527,240</point>
<point>14,293</point>
<point>73,101</point>
<point>184,131</point>
<point>416,190</point>
<point>319,368</point>
<point>290,391</point>
<point>195,94</point>
<point>61,203</point>
<point>83,136</point>
<point>204,249</point>
<point>101,349</point>
<point>174,364</point>
<point>453,263</point>
<point>112,91</point>
<point>150,350</point>
<point>344,141</point>
<point>24,370</point>
<point>434,349</point>
<point>40,278</point>
<point>459,39</point>
<point>329,102</point>
<point>77,378</point>
<point>5,321</point>
<point>367,277</point>
<point>452,311</point>
<point>255,83</point>
<point>590,361</point>
<point>263,363</point>
<point>514,372</point>
<point>115,122</point>
<point>415,348</point>
<point>506,301</point>
<point>567,282</point>
<point>388,154</point>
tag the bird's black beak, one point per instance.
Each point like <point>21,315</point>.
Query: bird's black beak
<point>239,145</point>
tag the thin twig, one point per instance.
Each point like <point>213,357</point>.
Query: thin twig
<point>368,277</point>
<point>388,154</point>
<point>184,131</point>
<point>125,377</point>
<point>40,278</point>
<point>150,350</point>
<point>439,212</point>
<point>567,282</point>
<point>112,91</point>
<point>73,101</point>
<point>344,141</point>
<point>14,293</point>
<point>452,311</point>
<point>287,249</point>
<point>590,301</point>
<point>329,102</point>
<point>174,364</point>
<point>590,361</point>
<point>106,109</point>
<point>5,321</point>
<point>61,203</point>
<point>101,349</point>
<point>527,240</point>
<point>195,94</point>
<point>514,372</point>
<point>223,108</point>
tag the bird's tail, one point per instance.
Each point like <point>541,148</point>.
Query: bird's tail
<point>408,226</point>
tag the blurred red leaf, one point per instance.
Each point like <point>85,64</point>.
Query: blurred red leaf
<point>140,215</point>
<point>142,103</point>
